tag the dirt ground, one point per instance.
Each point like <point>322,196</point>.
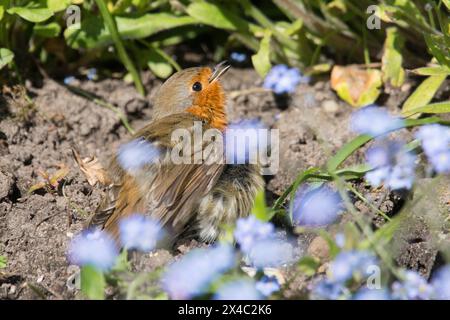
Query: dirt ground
<point>36,228</point>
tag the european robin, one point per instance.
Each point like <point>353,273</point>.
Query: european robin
<point>188,199</point>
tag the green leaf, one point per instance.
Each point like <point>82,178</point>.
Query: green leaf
<point>6,56</point>
<point>344,152</point>
<point>356,170</point>
<point>308,265</point>
<point>261,60</point>
<point>93,283</point>
<point>3,262</point>
<point>31,14</point>
<point>447,3</point>
<point>319,68</point>
<point>350,147</point>
<point>438,47</point>
<point>391,67</point>
<point>2,11</point>
<point>93,32</point>
<point>50,30</point>
<point>260,209</point>
<point>57,5</point>
<point>423,94</point>
<point>384,234</point>
<point>398,9</point>
<point>432,71</point>
<point>302,177</point>
<point>122,263</point>
<point>158,64</point>
<point>439,107</point>
<point>217,16</point>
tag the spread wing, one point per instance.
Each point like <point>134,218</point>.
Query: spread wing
<point>166,191</point>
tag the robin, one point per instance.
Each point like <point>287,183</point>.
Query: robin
<point>194,198</point>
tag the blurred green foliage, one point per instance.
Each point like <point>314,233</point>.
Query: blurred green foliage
<point>302,33</point>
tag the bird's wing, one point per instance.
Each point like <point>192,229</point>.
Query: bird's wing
<point>167,191</point>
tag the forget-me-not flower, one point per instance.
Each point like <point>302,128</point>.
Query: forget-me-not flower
<point>374,120</point>
<point>349,264</point>
<point>413,287</point>
<point>435,140</point>
<point>251,230</point>
<point>93,247</point>
<point>192,274</point>
<point>282,79</point>
<point>315,208</point>
<point>140,232</point>
<point>241,289</point>
<point>392,166</point>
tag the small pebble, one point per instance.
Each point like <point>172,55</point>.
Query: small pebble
<point>330,106</point>
<point>319,248</point>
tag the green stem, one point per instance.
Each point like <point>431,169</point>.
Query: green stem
<point>367,232</point>
<point>361,197</point>
<point>261,18</point>
<point>112,27</point>
<point>350,147</point>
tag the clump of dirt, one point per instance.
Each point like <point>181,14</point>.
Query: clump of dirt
<point>36,138</point>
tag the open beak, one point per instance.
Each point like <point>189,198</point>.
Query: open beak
<point>219,70</point>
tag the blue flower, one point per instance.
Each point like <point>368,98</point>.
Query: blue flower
<point>238,56</point>
<point>69,80</point>
<point>349,264</point>
<point>340,240</point>
<point>139,232</point>
<point>92,74</point>
<point>435,140</point>
<point>268,285</point>
<point>413,287</point>
<point>192,274</point>
<point>329,290</point>
<point>251,230</point>
<point>374,121</point>
<point>137,153</point>
<point>392,165</point>
<point>441,283</point>
<point>282,79</point>
<point>270,253</point>
<point>372,294</point>
<point>441,162</point>
<point>315,208</point>
<point>243,140</point>
<point>94,247</point>
<point>241,289</point>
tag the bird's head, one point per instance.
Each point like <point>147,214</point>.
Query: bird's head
<point>194,90</point>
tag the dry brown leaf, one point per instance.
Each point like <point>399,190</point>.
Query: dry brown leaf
<point>92,169</point>
<point>50,182</point>
<point>356,86</point>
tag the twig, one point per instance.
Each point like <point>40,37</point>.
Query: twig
<point>36,289</point>
<point>361,197</point>
<point>45,219</point>
<point>104,104</point>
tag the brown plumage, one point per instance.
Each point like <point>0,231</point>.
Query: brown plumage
<point>196,198</point>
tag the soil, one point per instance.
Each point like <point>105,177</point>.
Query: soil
<point>35,228</point>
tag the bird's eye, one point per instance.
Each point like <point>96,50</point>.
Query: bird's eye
<point>197,86</point>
